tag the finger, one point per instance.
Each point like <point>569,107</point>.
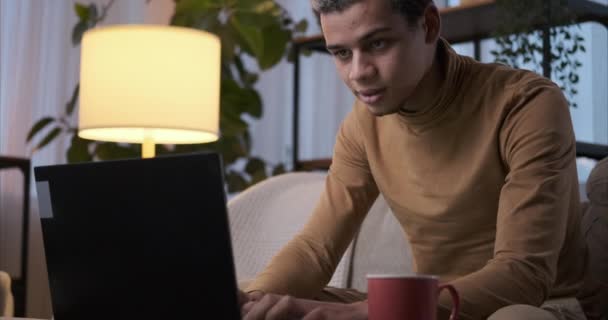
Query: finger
<point>259,309</point>
<point>251,297</point>
<point>247,307</point>
<point>285,308</point>
<point>256,295</point>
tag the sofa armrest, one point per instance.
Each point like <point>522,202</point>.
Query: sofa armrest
<point>6,296</point>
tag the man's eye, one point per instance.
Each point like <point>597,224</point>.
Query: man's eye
<point>377,44</point>
<point>342,54</point>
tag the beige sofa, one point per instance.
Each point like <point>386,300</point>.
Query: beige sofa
<point>267,215</point>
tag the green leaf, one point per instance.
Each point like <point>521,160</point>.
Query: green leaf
<point>279,169</point>
<point>88,18</point>
<point>255,165</point>
<point>236,100</point>
<point>69,107</point>
<point>259,20</point>
<point>231,124</point>
<point>200,14</point>
<point>231,149</point>
<point>253,104</point>
<point>275,42</point>
<point>48,138</point>
<point>251,35</point>
<point>235,182</point>
<point>79,150</point>
<point>41,124</point>
<point>301,26</point>
<point>258,176</point>
<point>574,78</point>
<point>228,40</point>
<point>82,11</point>
<point>78,31</point>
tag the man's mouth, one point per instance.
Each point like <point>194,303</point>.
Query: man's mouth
<point>370,96</point>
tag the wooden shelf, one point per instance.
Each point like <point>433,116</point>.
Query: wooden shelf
<point>462,24</point>
<point>591,150</point>
<point>478,21</point>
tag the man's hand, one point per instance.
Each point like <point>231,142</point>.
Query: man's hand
<point>247,297</point>
<point>339,311</point>
<point>277,307</point>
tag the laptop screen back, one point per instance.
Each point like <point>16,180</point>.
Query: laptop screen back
<point>138,239</point>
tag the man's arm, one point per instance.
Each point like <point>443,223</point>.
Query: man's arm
<point>538,148</point>
<point>305,265</point>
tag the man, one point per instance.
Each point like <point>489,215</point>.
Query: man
<point>477,162</point>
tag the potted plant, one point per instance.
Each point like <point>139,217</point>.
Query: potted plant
<point>540,35</point>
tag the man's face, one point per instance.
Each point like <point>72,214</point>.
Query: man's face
<point>379,56</point>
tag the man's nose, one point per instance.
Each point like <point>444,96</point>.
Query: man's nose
<point>361,68</point>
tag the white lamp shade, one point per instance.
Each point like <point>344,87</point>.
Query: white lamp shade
<point>159,83</point>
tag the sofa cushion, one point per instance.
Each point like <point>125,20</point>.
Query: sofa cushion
<point>595,230</point>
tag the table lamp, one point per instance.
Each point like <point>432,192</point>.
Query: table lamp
<point>149,84</point>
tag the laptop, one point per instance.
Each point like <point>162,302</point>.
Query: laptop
<point>138,239</point>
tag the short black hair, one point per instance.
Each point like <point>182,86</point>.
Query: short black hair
<point>412,10</point>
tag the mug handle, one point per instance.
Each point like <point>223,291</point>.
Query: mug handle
<point>455,300</point>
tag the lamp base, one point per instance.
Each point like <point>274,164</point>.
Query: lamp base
<point>148,149</point>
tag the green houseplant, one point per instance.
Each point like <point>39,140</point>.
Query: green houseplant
<point>521,26</point>
<point>252,32</point>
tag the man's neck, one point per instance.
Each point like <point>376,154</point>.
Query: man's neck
<point>426,91</point>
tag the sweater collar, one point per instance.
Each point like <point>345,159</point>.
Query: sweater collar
<point>453,67</point>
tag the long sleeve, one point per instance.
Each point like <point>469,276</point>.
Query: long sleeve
<point>538,150</point>
<point>483,182</point>
<point>305,265</point>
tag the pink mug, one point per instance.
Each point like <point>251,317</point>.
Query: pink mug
<point>404,297</point>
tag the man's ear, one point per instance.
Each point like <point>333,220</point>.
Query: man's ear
<point>431,23</point>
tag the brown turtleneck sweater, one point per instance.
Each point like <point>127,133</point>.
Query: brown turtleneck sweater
<point>483,181</point>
